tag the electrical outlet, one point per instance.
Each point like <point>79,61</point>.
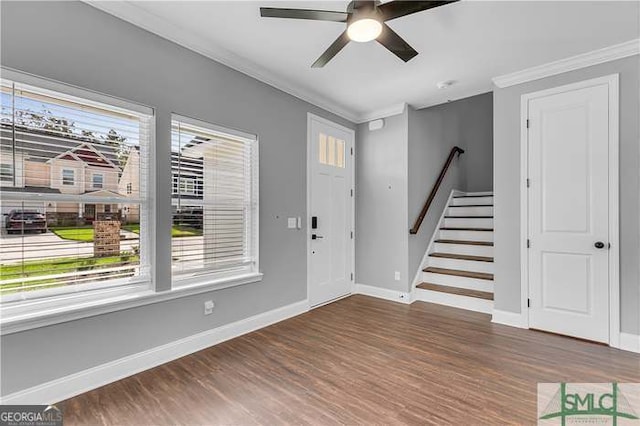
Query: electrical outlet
<point>208,307</point>
<point>397,276</point>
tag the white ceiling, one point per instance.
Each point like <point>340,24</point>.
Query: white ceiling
<point>469,42</point>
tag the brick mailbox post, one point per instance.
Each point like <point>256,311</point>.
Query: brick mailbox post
<point>106,238</point>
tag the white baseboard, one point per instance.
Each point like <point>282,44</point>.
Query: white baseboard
<point>83,381</point>
<point>455,301</point>
<point>630,342</point>
<point>384,293</point>
<point>627,341</point>
<point>511,319</point>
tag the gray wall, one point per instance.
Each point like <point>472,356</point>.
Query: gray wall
<point>396,169</point>
<point>507,185</point>
<point>77,44</point>
<point>381,204</point>
<point>467,123</point>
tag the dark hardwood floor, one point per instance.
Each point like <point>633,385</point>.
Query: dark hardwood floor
<point>359,361</point>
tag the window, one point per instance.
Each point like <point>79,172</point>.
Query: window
<point>186,186</point>
<point>215,205</point>
<point>331,151</point>
<point>68,177</point>
<point>6,172</point>
<point>57,132</point>
<point>97,180</point>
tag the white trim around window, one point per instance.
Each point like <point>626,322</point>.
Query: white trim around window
<point>223,205</point>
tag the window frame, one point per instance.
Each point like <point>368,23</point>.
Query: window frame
<point>31,311</point>
<point>63,178</point>
<point>93,180</point>
<point>201,277</point>
<point>4,177</point>
<point>23,307</point>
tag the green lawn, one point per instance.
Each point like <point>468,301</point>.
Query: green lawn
<point>85,233</point>
<point>34,268</point>
<point>184,231</point>
<point>77,233</point>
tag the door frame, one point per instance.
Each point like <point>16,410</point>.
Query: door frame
<point>311,117</point>
<point>614,227</point>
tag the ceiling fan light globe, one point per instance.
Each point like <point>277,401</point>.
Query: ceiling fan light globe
<point>364,30</point>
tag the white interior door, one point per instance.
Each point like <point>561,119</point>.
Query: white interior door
<point>330,219</point>
<point>568,167</point>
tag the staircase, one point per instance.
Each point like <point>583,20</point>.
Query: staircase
<point>458,267</point>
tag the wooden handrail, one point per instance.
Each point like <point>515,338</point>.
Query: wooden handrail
<point>416,226</point>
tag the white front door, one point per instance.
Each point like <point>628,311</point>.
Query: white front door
<point>568,205</point>
<point>330,220</point>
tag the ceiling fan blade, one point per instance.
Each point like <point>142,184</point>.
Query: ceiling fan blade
<point>396,9</point>
<point>316,15</point>
<point>332,51</point>
<point>396,44</point>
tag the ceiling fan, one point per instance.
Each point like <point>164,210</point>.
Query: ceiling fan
<point>365,22</point>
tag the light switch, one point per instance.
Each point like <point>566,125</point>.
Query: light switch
<point>292,223</point>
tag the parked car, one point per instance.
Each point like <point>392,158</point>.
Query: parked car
<point>188,217</point>
<point>19,221</point>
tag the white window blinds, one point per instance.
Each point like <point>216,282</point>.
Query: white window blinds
<point>73,192</point>
<point>215,205</point>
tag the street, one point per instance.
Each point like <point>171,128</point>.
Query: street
<point>31,246</point>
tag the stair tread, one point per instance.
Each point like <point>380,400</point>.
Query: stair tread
<point>458,273</point>
<point>468,217</point>
<point>472,196</point>
<point>457,291</point>
<point>455,228</point>
<point>462,257</point>
<point>472,205</point>
<point>465,242</point>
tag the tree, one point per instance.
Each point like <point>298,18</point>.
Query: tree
<point>116,140</point>
<point>46,121</point>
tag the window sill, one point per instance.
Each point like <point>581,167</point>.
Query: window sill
<point>36,313</point>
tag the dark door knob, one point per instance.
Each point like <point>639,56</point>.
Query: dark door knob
<point>599,245</point>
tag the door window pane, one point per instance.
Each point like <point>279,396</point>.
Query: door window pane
<point>340,154</point>
<point>322,149</point>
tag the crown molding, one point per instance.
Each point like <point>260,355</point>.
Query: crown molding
<point>382,113</point>
<point>595,57</point>
<point>128,11</point>
<point>483,89</point>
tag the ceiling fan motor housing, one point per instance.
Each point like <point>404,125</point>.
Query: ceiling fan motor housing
<point>363,9</point>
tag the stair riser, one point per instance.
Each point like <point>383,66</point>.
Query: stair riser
<point>468,201</point>
<point>466,222</point>
<point>470,211</point>
<point>486,236</point>
<point>454,300</point>
<point>461,265</point>
<point>486,251</point>
<point>456,281</point>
